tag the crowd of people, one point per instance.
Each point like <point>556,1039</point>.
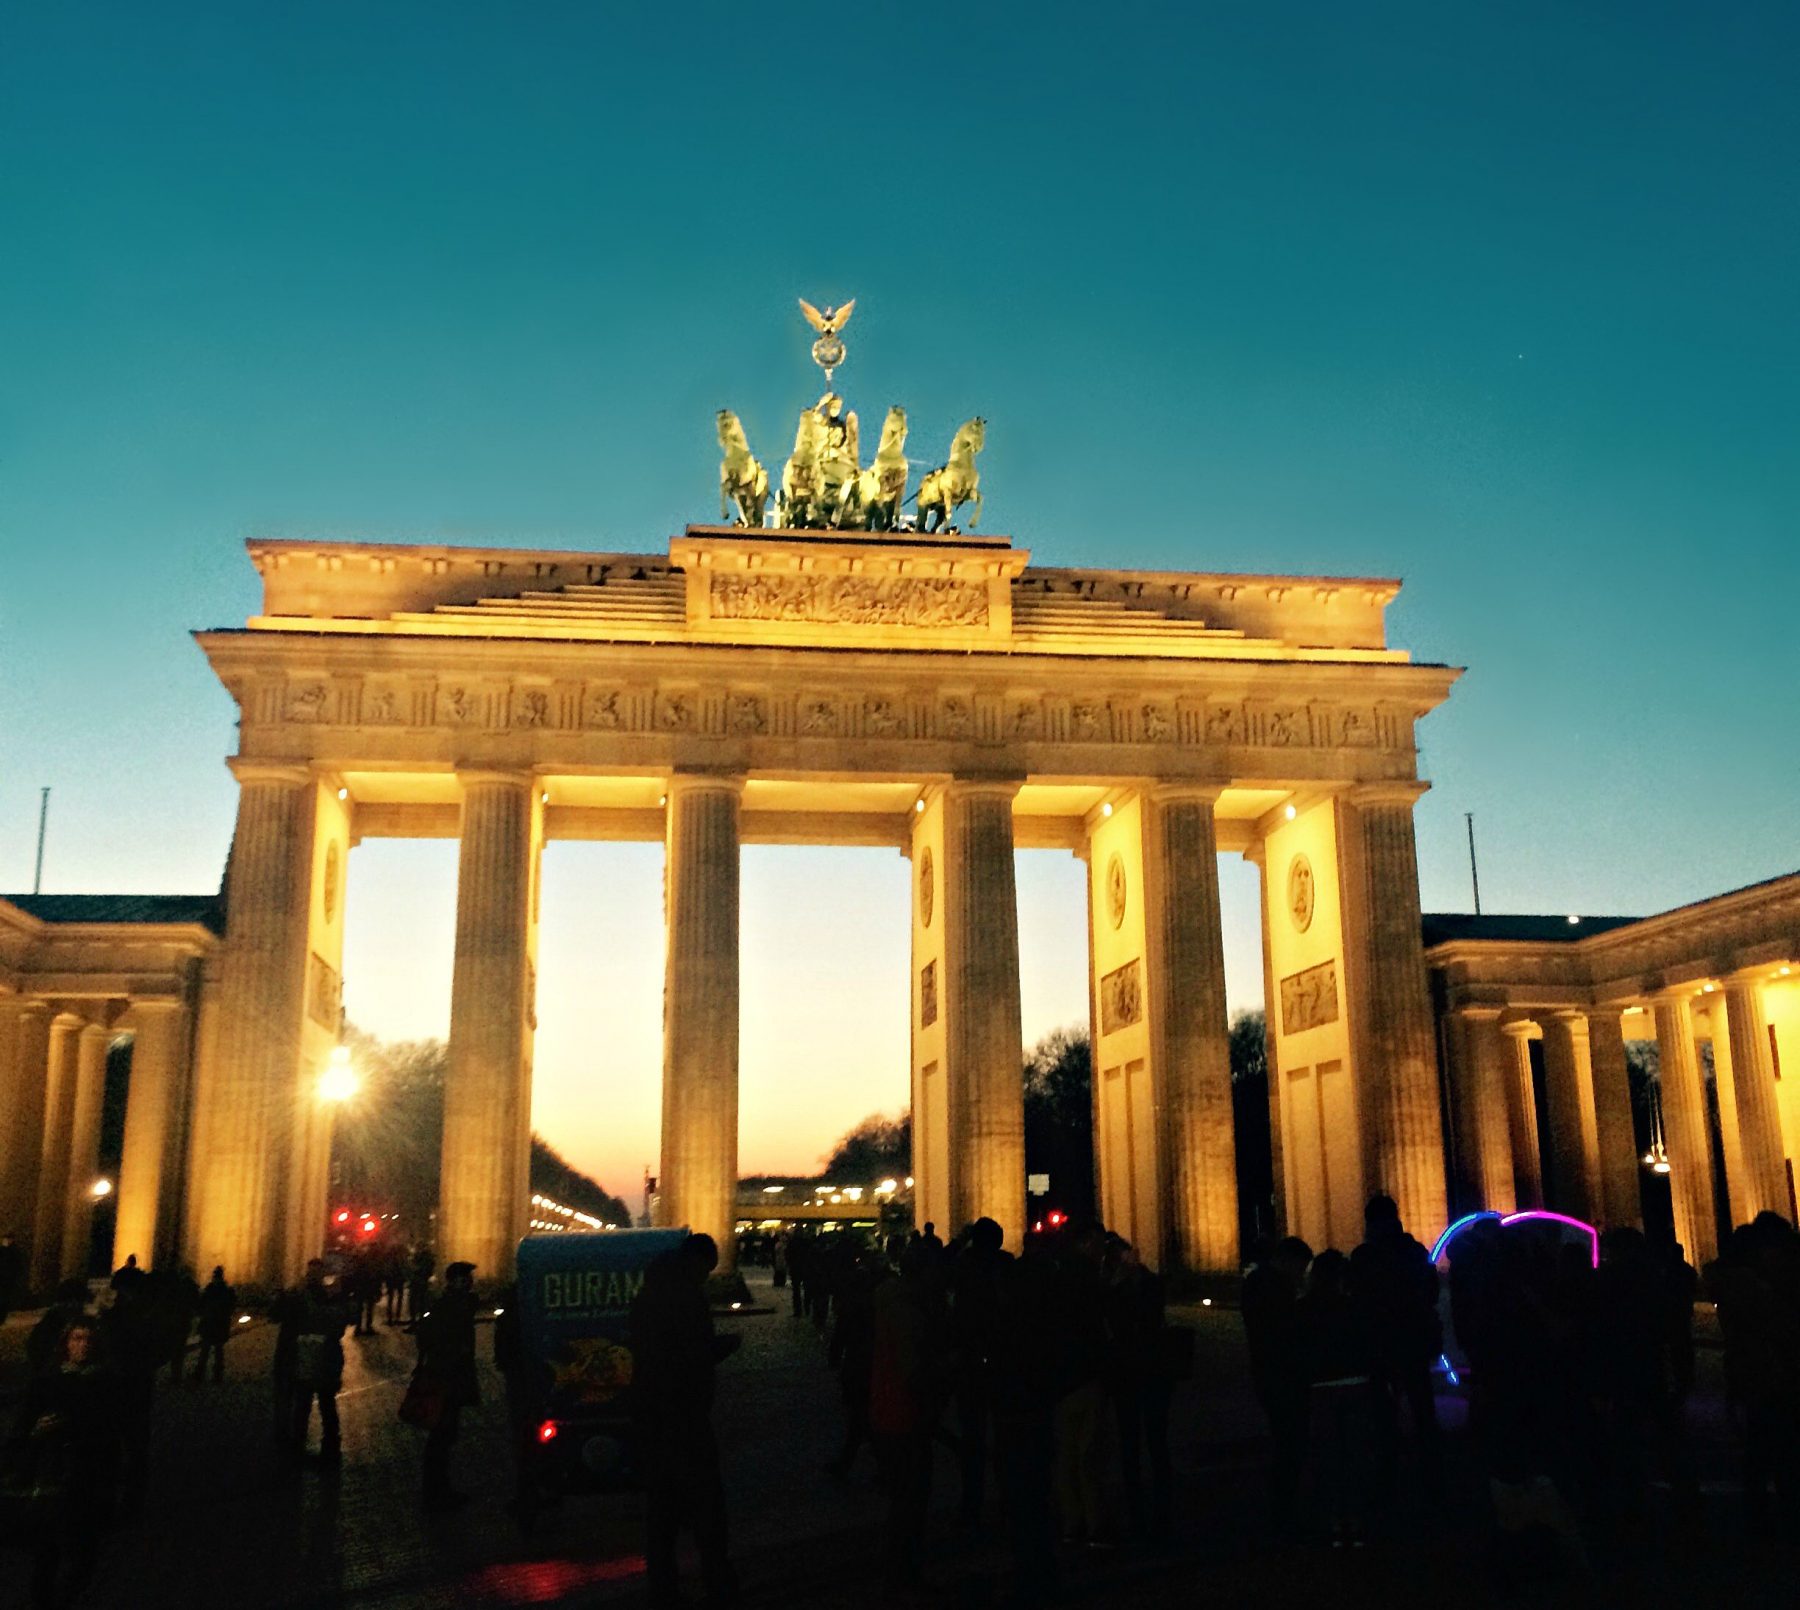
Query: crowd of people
<point>1051,1372</point>
<point>1048,1375</point>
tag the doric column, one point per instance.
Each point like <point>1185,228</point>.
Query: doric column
<point>982,1037</point>
<point>248,1089</point>
<point>1258,856</point>
<point>1398,1078</point>
<point>1573,1169</point>
<point>487,1102</point>
<point>24,1041</point>
<point>700,1009</point>
<point>1481,1064</point>
<point>1521,1119</point>
<point>1753,1084</point>
<point>1190,1037</point>
<point>1685,1131</point>
<point>84,1150</point>
<point>1615,1138</point>
<point>53,1155</point>
<point>148,1193</point>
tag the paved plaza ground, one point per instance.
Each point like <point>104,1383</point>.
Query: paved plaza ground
<point>228,1525</point>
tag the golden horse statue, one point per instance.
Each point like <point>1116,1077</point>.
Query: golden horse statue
<point>801,502</point>
<point>946,489</point>
<point>742,479</point>
<point>871,499</point>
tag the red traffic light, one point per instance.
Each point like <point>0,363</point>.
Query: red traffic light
<point>547,1431</point>
<point>1058,1218</point>
<point>368,1227</point>
<point>343,1216</point>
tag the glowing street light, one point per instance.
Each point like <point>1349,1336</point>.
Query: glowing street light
<point>101,1187</point>
<point>339,1083</point>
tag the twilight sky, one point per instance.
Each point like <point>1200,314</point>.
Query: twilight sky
<point>1495,298</point>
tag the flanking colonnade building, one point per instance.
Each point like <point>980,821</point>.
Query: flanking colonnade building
<point>941,696</point>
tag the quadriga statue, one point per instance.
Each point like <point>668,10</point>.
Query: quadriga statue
<point>945,490</point>
<point>743,481</point>
<point>802,487</point>
<point>870,500</point>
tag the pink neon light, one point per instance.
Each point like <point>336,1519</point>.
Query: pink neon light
<point>1593,1235</point>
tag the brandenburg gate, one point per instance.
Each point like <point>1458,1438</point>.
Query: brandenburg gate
<point>934,693</point>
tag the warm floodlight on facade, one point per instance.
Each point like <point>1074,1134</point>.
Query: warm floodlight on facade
<point>918,806</point>
<point>343,793</point>
<point>1290,812</point>
<point>1106,808</point>
<point>338,1083</point>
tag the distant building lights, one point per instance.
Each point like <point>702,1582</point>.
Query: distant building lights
<point>1573,919</point>
<point>773,1190</point>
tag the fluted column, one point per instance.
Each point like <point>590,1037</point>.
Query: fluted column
<point>982,1036</point>
<point>24,1041</point>
<point>1192,1048</point>
<point>700,1009</point>
<point>1615,1138</point>
<point>249,1085</point>
<point>1398,1077</point>
<point>1685,1130</point>
<point>1571,1123</point>
<point>147,1169</point>
<point>1521,1117</point>
<point>1480,1065</point>
<point>84,1150</point>
<point>53,1155</point>
<point>1758,1115</point>
<point>482,1200</point>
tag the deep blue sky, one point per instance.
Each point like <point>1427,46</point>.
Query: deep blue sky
<point>1495,298</point>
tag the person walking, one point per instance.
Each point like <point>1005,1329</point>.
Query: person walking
<point>418,1286</point>
<point>908,1371</point>
<point>446,1335</point>
<point>12,1274</point>
<point>217,1300</point>
<point>319,1319</point>
<point>675,1355</point>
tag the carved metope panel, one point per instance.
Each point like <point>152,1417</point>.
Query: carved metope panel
<point>324,992</point>
<point>1121,998</point>
<point>1309,998</point>
<point>855,600</point>
<point>928,995</point>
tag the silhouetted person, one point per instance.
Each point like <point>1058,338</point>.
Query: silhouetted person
<point>176,1300</point>
<point>64,1449</point>
<point>12,1275</point>
<point>1753,1284</point>
<point>446,1334</point>
<point>1345,1392</point>
<point>1396,1285</point>
<point>133,1348</point>
<point>928,1238</point>
<point>418,1285</point>
<point>393,1282</point>
<point>1026,1378</point>
<point>44,1346</point>
<point>674,1357</point>
<point>217,1301</point>
<point>907,1374</point>
<point>127,1274</point>
<point>1085,1429</point>
<point>1140,1379</point>
<point>852,1351</point>
<point>976,1272</point>
<point>1280,1370</point>
<point>318,1319</point>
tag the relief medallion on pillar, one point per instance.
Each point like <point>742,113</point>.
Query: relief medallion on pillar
<point>1121,998</point>
<point>1301,893</point>
<point>324,992</point>
<point>1115,889</point>
<point>928,995</point>
<point>927,891</point>
<point>328,893</point>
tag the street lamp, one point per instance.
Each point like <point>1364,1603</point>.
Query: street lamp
<point>338,1083</point>
<point>101,1187</point>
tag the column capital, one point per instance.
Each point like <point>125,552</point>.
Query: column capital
<point>704,782</point>
<point>1574,1018</point>
<point>1181,792</point>
<point>288,773</point>
<point>1006,788</point>
<point>511,777</point>
<point>1477,1013</point>
<point>1749,977</point>
<point>1520,1028</point>
<point>1394,791</point>
<point>151,1006</point>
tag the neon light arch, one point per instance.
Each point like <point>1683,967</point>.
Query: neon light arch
<point>1505,1219</point>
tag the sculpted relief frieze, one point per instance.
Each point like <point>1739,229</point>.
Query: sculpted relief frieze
<point>927,601</point>
<point>965,715</point>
